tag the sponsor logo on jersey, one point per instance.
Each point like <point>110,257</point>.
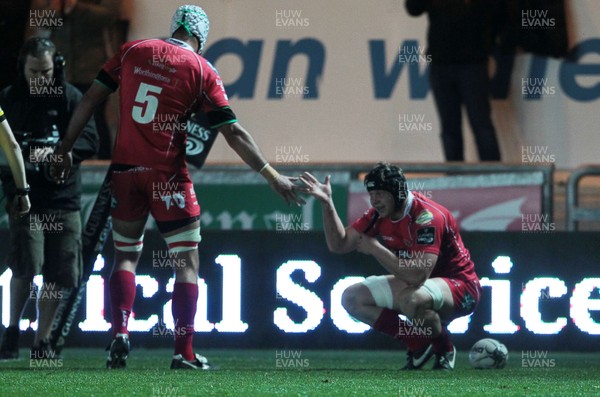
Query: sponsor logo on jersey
<point>426,236</point>
<point>424,217</point>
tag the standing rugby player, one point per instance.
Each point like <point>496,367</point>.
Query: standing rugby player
<point>161,83</point>
<point>431,277</point>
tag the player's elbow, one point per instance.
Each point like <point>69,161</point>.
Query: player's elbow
<point>334,248</point>
<point>11,145</point>
<point>339,247</point>
<point>232,132</point>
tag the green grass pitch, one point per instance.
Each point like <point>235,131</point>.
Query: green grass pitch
<point>316,373</point>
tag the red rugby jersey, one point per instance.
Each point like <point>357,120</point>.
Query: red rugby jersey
<point>425,227</point>
<point>161,83</point>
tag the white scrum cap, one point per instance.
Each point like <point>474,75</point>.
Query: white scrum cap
<point>194,20</point>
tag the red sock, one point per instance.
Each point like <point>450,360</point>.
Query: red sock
<point>122,295</point>
<point>442,343</point>
<point>389,323</point>
<point>184,301</point>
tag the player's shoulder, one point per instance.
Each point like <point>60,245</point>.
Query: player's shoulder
<point>160,47</point>
<point>369,213</point>
<point>425,211</point>
<point>135,43</point>
<point>365,220</point>
<point>209,66</point>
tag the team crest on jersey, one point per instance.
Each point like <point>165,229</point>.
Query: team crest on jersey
<point>426,236</point>
<point>424,217</point>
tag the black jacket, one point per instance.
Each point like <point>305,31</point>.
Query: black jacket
<point>460,31</point>
<point>37,115</point>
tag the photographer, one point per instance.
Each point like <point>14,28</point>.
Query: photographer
<point>39,106</point>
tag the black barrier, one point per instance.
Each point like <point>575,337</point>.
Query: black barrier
<point>541,292</point>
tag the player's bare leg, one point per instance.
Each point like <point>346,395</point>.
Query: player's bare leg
<point>128,260</point>
<point>422,334</point>
<point>183,245</point>
<point>127,236</point>
<point>188,266</point>
<point>372,302</point>
<point>360,304</point>
<point>418,305</point>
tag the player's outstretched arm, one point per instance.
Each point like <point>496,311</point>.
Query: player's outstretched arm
<point>339,240</point>
<point>96,94</point>
<point>13,154</point>
<point>244,145</point>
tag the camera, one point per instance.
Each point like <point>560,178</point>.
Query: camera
<point>29,144</point>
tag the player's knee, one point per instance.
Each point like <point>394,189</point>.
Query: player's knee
<point>127,244</point>
<point>415,305</point>
<point>184,241</point>
<point>350,300</point>
<point>433,295</point>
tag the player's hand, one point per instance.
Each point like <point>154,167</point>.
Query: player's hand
<point>321,191</point>
<point>20,206</point>
<point>61,166</point>
<point>284,186</point>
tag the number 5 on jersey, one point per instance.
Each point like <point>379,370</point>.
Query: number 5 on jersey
<point>148,102</point>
